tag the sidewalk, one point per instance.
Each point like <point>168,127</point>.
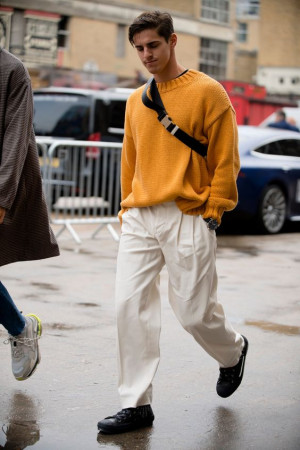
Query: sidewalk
<point>75,384</point>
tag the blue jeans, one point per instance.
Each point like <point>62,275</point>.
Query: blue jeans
<point>10,317</point>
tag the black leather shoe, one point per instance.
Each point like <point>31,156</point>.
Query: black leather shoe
<point>127,419</point>
<point>231,377</point>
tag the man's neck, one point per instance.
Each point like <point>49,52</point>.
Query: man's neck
<point>170,74</point>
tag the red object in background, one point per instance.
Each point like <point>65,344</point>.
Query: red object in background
<point>251,103</point>
<point>93,152</point>
<point>245,89</point>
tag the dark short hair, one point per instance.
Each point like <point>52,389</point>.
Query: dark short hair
<point>281,114</point>
<point>162,22</point>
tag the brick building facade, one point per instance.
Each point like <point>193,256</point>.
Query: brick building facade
<point>84,42</point>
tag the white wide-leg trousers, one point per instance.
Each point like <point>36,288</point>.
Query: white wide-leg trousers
<point>152,237</point>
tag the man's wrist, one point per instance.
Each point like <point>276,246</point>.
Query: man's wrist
<point>212,224</point>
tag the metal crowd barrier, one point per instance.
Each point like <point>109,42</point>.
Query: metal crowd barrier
<point>81,182</point>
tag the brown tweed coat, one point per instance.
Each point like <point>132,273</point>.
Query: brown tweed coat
<point>25,233</point>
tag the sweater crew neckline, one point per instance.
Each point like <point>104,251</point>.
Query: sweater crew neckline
<point>185,78</point>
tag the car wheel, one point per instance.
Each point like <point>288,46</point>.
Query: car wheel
<point>272,209</point>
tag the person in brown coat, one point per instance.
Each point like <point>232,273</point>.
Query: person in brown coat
<point>25,232</point>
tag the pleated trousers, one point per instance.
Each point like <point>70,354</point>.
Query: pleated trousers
<point>151,238</point>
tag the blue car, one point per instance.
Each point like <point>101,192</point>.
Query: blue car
<point>269,179</point>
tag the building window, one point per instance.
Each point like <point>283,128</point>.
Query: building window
<point>63,33</point>
<point>215,10</point>
<point>213,58</point>
<point>295,80</point>
<point>242,32</point>
<point>247,8</point>
<point>121,40</point>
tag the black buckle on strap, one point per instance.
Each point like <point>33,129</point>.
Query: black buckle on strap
<point>165,120</point>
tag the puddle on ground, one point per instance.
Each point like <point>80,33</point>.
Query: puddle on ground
<point>89,305</point>
<point>47,286</point>
<point>60,326</point>
<point>65,327</point>
<point>94,254</point>
<point>275,327</point>
<point>21,429</point>
<point>135,440</point>
<point>249,250</point>
<point>20,434</point>
<point>80,250</point>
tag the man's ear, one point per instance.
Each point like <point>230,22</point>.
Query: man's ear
<point>173,40</point>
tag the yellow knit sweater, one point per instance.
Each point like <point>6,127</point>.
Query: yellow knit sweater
<point>156,167</point>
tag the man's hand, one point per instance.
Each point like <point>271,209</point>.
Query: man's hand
<point>2,214</point>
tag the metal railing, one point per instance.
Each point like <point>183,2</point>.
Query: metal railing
<point>81,182</point>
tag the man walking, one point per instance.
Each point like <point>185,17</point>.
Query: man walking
<point>172,202</point>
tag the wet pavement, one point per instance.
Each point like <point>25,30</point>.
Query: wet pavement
<point>75,384</point>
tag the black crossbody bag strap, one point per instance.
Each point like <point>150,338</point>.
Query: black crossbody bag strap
<point>157,105</point>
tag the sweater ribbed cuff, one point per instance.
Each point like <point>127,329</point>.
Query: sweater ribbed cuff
<point>214,212</point>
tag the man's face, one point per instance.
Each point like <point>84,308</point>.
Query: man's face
<point>153,50</point>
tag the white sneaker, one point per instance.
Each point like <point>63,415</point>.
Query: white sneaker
<point>24,348</point>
